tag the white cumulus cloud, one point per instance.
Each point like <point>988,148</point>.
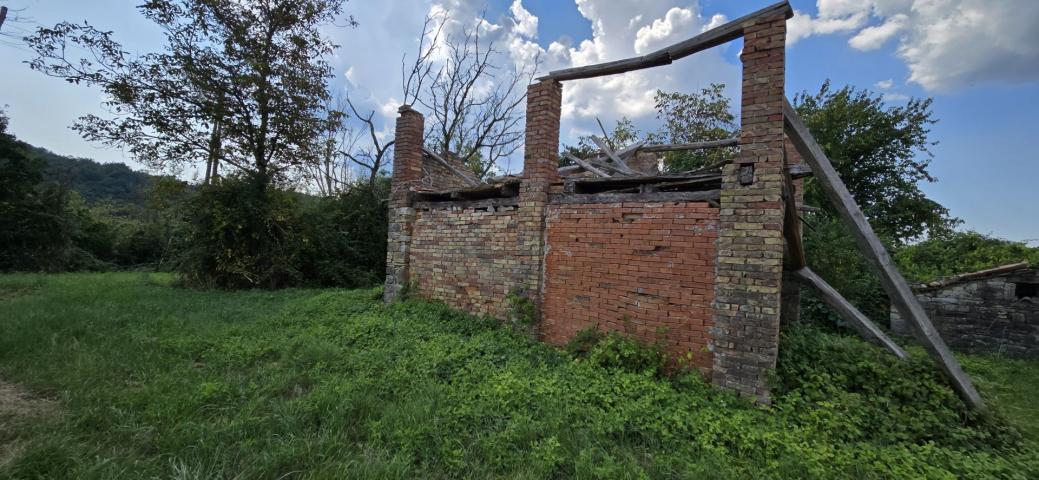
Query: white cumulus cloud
<point>662,29</point>
<point>946,44</point>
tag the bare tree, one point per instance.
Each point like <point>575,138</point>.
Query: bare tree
<point>373,155</point>
<point>341,149</point>
<point>474,104</point>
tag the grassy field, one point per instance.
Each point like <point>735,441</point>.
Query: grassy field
<point>134,378</point>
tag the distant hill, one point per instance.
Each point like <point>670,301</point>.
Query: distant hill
<point>96,181</point>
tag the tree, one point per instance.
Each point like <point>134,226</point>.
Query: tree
<point>474,104</point>
<point>35,233</point>
<point>239,82</point>
<point>686,118</point>
<point>695,117</point>
<point>882,154</point>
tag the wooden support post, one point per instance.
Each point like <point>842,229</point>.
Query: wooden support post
<point>896,287</point>
<point>848,312</point>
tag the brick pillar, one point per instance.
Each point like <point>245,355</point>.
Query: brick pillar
<point>540,170</point>
<point>791,310</point>
<point>407,171</point>
<point>750,237</point>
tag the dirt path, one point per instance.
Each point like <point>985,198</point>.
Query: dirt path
<point>17,406</point>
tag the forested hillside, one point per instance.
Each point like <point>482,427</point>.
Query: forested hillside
<point>95,181</point>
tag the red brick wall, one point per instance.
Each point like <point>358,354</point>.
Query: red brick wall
<point>465,258</point>
<point>646,269</point>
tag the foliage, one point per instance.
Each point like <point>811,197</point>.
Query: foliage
<point>881,153</point>
<point>334,384</point>
<point>961,252</point>
<point>240,233</point>
<point>695,117</point>
<point>345,235</point>
<point>687,118</point>
<point>523,312</point>
<point>615,350</point>
<point>241,82</point>
<point>95,181</point>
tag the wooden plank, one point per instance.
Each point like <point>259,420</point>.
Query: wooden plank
<point>727,32</point>
<point>585,165</point>
<point>702,196</point>
<point>711,38</point>
<point>859,321</point>
<point>896,287</point>
<point>617,160</point>
<point>485,203</point>
<point>799,170</point>
<point>671,147</point>
<point>654,59</point>
<point>792,227</point>
<point>450,167</point>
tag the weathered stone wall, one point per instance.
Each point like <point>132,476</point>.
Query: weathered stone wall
<point>981,316</point>
<point>645,269</point>
<point>465,258</point>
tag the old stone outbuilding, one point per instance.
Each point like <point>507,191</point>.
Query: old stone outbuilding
<point>990,311</point>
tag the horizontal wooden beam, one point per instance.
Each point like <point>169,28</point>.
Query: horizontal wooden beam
<point>890,278</point>
<point>701,196</point>
<point>859,321</point>
<point>711,38</point>
<point>671,147</point>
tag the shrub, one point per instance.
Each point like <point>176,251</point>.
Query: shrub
<point>242,233</point>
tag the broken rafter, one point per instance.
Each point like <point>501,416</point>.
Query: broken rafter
<point>711,38</point>
<point>585,165</point>
<point>896,287</point>
<point>618,162</point>
<point>468,179</point>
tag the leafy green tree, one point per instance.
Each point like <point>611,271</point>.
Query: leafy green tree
<point>882,153</point>
<point>35,233</point>
<point>686,118</point>
<point>238,82</point>
<point>695,117</point>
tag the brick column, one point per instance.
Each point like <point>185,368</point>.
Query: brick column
<point>750,236</point>
<point>540,170</point>
<point>407,171</point>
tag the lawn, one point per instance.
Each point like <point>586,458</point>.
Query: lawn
<point>136,378</point>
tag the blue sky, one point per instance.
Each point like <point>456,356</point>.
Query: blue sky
<point>979,60</point>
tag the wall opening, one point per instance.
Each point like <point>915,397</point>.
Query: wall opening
<point>1026,290</point>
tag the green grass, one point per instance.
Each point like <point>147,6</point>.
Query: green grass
<point>153,381</point>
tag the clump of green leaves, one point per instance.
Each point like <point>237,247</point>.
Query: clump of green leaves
<point>961,252</point>
<point>523,312</point>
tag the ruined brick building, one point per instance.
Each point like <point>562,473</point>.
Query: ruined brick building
<point>692,260</point>
<point>993,311</point>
